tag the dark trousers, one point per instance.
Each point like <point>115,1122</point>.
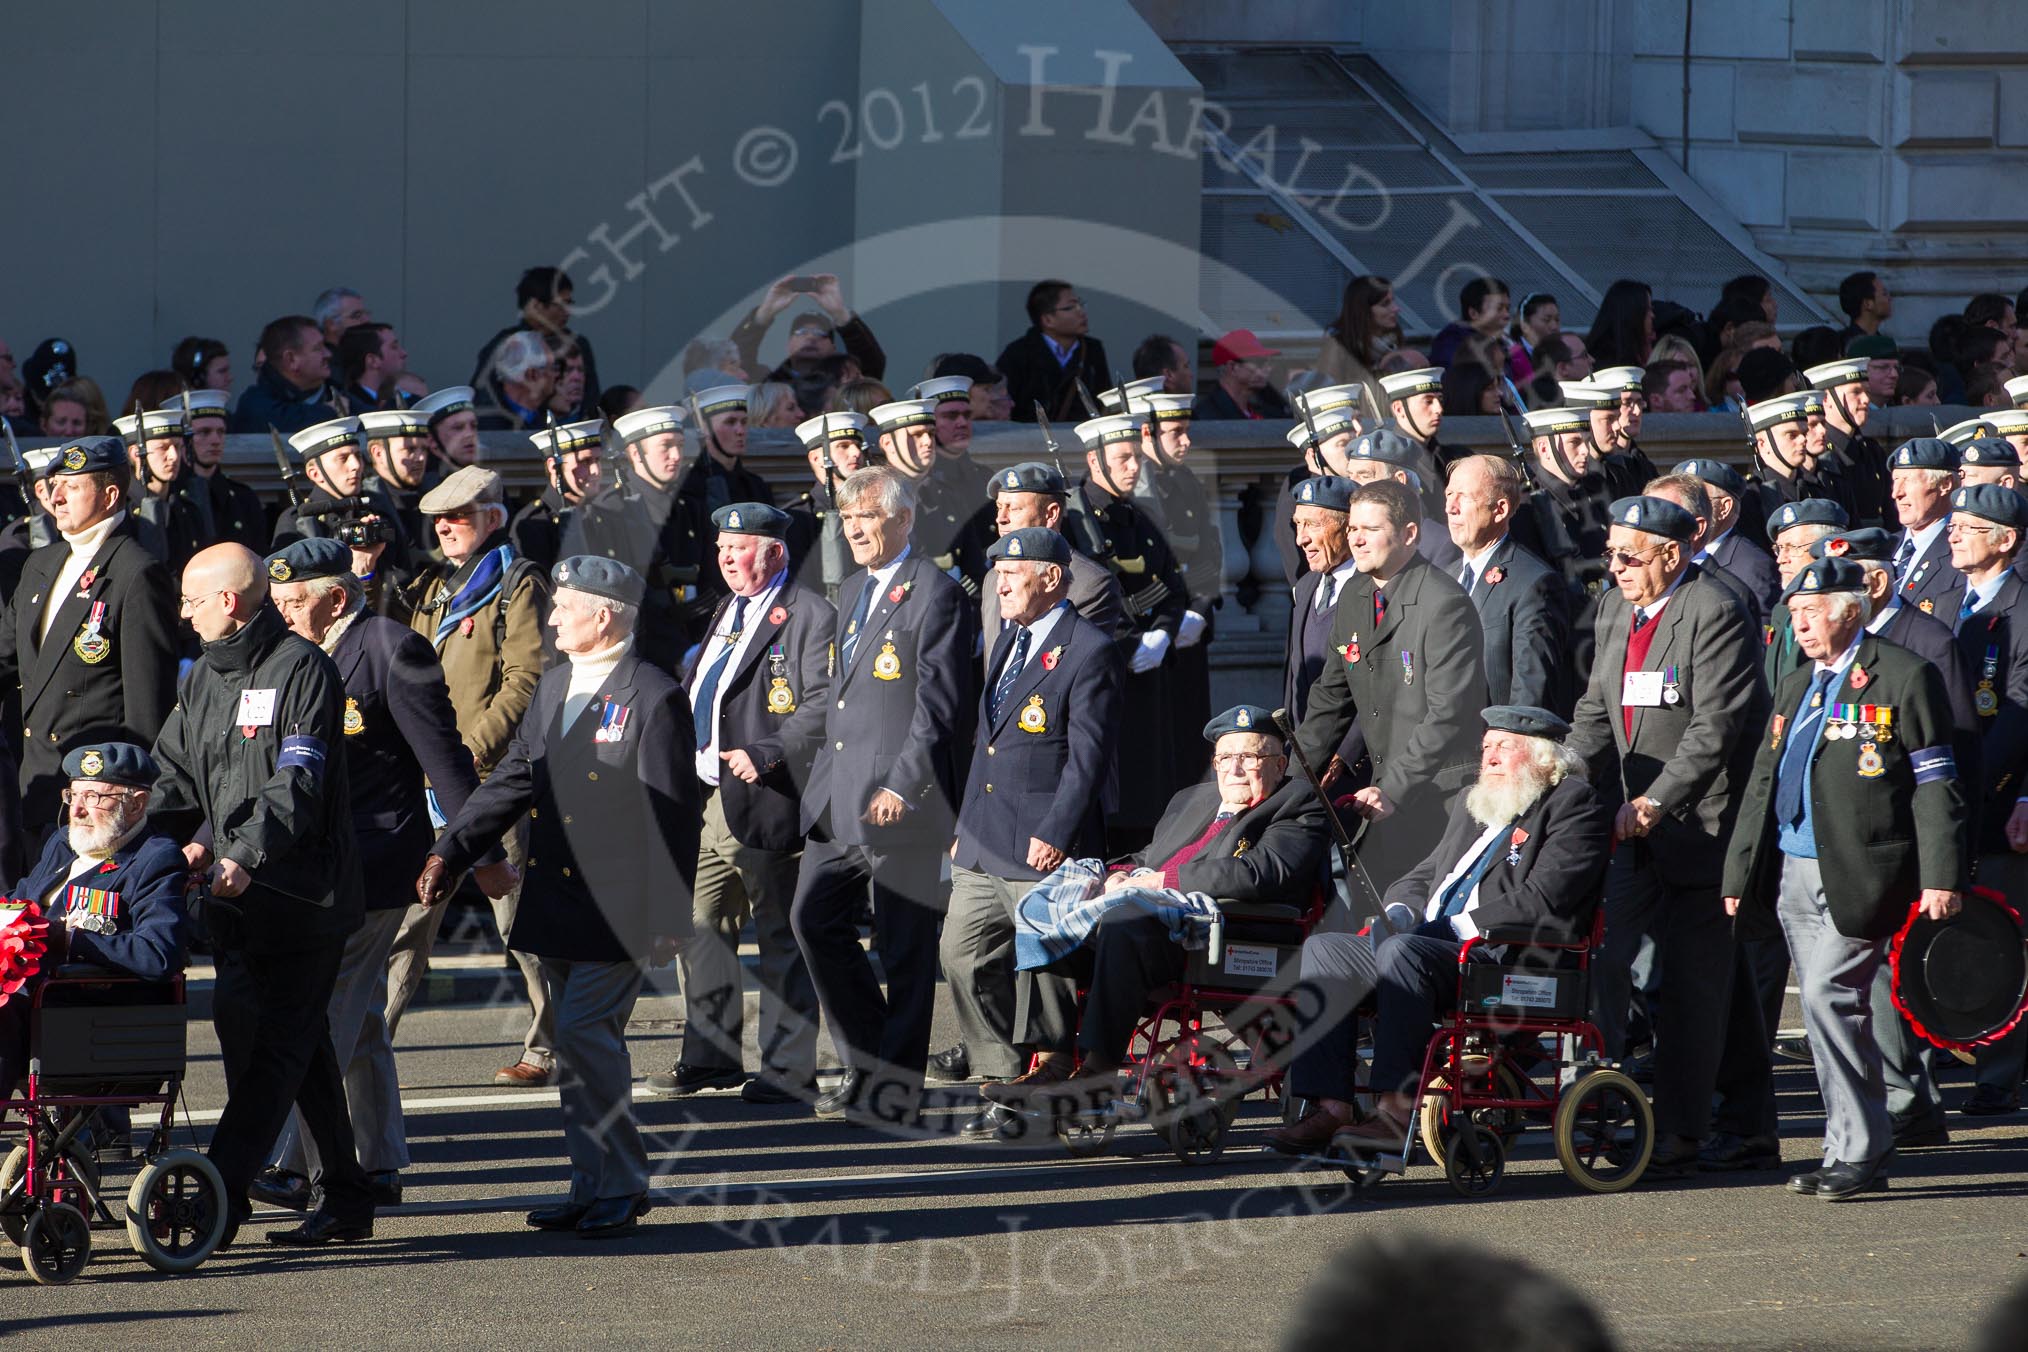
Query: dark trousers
<point>885,1036</point>
<point>1746,1093</point>
<point>1132,955</point>
<point>275,1040</point>
<point>1416,977</point>
<point>1338,972</point>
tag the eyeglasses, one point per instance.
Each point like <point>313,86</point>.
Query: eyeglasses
<point>1968,528</point>
<point>1249,761</point>
<point>91,798</point>
<point>192,602</point>
<point>1792,551</point>
<point>810,331</point>
<point>1067,306</point>
<point>1621,558</point>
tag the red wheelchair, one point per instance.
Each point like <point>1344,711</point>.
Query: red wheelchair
<point>98,1039</point>
<point>1520,1047</point>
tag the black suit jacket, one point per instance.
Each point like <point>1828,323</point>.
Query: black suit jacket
<point>399,729</point>
<point>1520,601</point>
<point>1273,851</point>
<point>613,825</point>
<point>1993,645</point>
<point>789,652</point>
<point>901,711</point>
<point>1034,376</point>
<point>66,700</point>
<point>1042,767</point>
<point>1753,568</point>
<point>1351,747</point>
<point>1548,876</point>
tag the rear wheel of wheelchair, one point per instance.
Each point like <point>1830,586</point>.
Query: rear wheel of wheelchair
<point>176,1211</point>
<point>1474,1160</point>
<point>1086,1134</point>
<point>1190,1106</point>
<point>80,1169</point>
<point>1605,1132</point>
<point>1435,1120</point>
<point>56,1244</point>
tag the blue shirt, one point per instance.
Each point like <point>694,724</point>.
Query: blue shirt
<point>1800,839</point>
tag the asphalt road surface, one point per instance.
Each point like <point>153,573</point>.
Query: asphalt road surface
<point>777,1230</point>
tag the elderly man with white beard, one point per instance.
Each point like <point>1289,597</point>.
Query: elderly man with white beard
<point>1527,846</point>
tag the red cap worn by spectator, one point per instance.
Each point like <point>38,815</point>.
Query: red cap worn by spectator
<point>1240,345</point>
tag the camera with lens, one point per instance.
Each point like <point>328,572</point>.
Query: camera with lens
<point>355,522</point>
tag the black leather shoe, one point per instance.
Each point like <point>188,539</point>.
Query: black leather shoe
<point>1728,1152</point>
<point>1921,1135</point>
<point>280,1188</point>
<point>762,1089</point>
<point>1806,1183</point>
<point>385,1186</point>
<point>992,1123</point>
<point>563,1216</point>
<point>1673,1158</point>
<point>610,1216</point>
<point>834,1102</point>
<point>693,1079</point>
<point>1795,1049</point>
<point>321,1227</point>
<point>236,1215</point>
<point>1986,1101</point>
<point>953,1065</point>
<point>1842,1181</point>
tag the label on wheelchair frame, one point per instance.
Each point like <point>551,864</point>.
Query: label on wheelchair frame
<point>1251,960</point>
<point>1526,992</point>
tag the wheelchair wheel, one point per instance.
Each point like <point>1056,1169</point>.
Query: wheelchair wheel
<point>1190,1107</point>
<point>80,1168</point>
<point>176,1211</point>
<point>1605,1132</point>
<point>57,1244</point>
<point>1086,1134</point>
<point>1435,1118</point>
<point>1473,1165</point>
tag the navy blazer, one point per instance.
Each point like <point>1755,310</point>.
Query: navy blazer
<point>1520,601</point>
<point>1932,584</point>
<point>1043,766</point>
<point>613,825</point>
<point>1351,748</point>
<point>399,728</point>
<point>901,711</point>
<point>1274,851</point>
<point>1753,568</point>
<point>1994,646</point>
<point>771,706</point>
<point>145,878</point>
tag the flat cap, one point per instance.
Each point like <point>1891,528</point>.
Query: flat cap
<point>438,405</point>
<point>1989,451</point>
<point>1870,545</point>
<point>1242,718</point>
<point>1387,446</point>
<point>88,455</point>
<point>1030,476</point>
<point>826,427</point>
<point>1654,516</point>
<point>1328,491</point>
<point>1525,720</point>
<point>1034,544</point>
<point>471,486</point>
<point>598,576</point>
<point>1827,577</point>
<point>751,518</point>
<point>309,559</point>
<point>1714,474</point>
<point>1925,453</point>
<point>1990,502</point>
<point>1807,512</point>
<point>112,763</point>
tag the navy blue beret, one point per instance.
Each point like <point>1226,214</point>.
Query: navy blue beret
<point>1990,502</point>
<point>1827,575</point>
<point>751,518</point>
<point>599,577</point>
<point>1035,544</point>
<point>1714,474</point>
<point>1990,451</point>
<point>1654,516</point>
<point>1387,446</point>
<point>88,456</point>
<point>1327,491</point>
<point>1808,512</point>
<point>308,559</point>
<point>1526,720</point>
<point>112,763</point>
<point>1242,718</point>
<point>1925,453</point>
<point>1872,545</point>
<point>1030,476</point>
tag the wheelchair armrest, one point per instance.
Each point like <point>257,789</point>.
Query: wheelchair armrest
<point>1261,910</point>
<point>1527,936</point>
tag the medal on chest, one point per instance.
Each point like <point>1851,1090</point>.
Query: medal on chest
<point>1407,667</point>
<point>95,909</point>
<point>1672,692</point>
<point>1987,700</point>
<point>1032,718</point>
<point>887,665</point>
<point>781,699</point>
<point>354,723</point>
<point>91,646</point>
<point>612,723</point>
<point>1514,844</point>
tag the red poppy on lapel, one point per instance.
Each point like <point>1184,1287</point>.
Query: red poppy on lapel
<point>778,615</point>
<point>108,866</point>
<point>894,597</point>
<point>1495,575</point>
<point>1049,658</point>
<point>1859,678</point>
<point>465,627</point>
<point>84,582</point>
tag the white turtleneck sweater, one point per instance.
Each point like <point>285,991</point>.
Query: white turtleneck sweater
<point>83,546</point>
<point>588,671</point>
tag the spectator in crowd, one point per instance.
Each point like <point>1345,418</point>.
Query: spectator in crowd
<point>1675,347</point>
<point>2020,331</point>
<point>1867,304</point>
<point>1470,391</point>
<point>1990,310</point>
<point>616,401</point>
<point>1984,347</point>
<point>1883,363</point>
<point>370,359</point>
<point>1670,387</point>
<point>151,390</point>
<point>990,402</point>
<point>1815,346</point>
<point>338,311</point>
<point>292,391</point>
<point>1986,386</point>
<point>1624,332</point>
<point>1764,373</point>
<point>519,382</point>
<point>717,354</point>
<point>1541,317</point>
<point>1721,327</point>
<point>1044,365</point>
<point>84,392</point>
<point>1559,359</point>
<point>1721,381</point>
<point>1367,328</point>
<point>1946,339</point>
<point>1915,386</point>
<point>861,396</point>
<point>1158,355</point>
<point>543,296</point>
<point>52,364</point>
<point>1484,303</point>
<point>814,335</point>
<point>203,363</point>
<point>1244,388</point>
<point>1757,291</point>
<point>773,404</point>
<point>13,398</point>
<point>567,400</point>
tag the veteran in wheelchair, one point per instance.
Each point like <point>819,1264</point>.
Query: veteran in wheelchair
<point>1514,880</point>
<point>96,1020</point>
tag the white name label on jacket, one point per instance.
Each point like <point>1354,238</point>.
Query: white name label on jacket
<point>1642,690</point>
<point>256,709</point>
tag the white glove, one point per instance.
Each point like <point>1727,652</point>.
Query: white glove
<point>1191,632</point>
<point>1154,647</point>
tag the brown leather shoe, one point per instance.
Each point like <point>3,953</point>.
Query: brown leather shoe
<point>1309,1135</point>
<point>522,1075</point>
<point>1050,1069</point>
<point>1382,1131</point>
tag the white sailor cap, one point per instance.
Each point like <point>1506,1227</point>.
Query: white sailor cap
<point>943,389</point>
<point>721,399</point>
<point>643,423</point>
<point>1327,397</point>
<point>1784,408</point>
<point>1619,379</point>
<point>580,436</point>
<point>1547,422</point>
<point>1133,392</point>
<point>197,404</point>
<point>157,423</point>
<point>2017,390</point>
<point>312,442</point>
<point>1849,371</point>
<point>1423,380</point>
<point>904,413</point>
<point>828,427</point>
<point>1328,424</point>
<point>1583,394</point>
<point>1097,433</point>
<point>381,423</point>
<point>437,405</point>
<point>1166,407</point>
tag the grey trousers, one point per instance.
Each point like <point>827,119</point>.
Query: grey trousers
<point>1000,1010</point>
<point>593,1001</point>
<point>410,963</point>
<point>735,881</point>
<point>1694,959</point>
<point>1912,1098</point>
<point>1835,974</point>
<point>365,1052</point>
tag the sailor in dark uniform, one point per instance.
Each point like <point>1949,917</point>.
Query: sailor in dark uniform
<point>1725,546</point>
<point>1859,459</point>
<point>230,509</point>
<point>572,457</point>
<point>950,531</point>
<point>453,421</point>
<point>398,451</point>
<point>1787,470</point>
<point>1627,467</point>
<point>1416,401</point>
<point>1565,523</point>
<point>818,555</point>
<point>158,444</point>
<point>719,474</point>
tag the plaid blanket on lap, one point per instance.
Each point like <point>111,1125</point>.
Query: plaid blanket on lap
<point>1062,910</point>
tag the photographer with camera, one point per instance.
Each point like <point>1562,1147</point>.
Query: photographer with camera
<point>813,336</point>
<point>345,507</point>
